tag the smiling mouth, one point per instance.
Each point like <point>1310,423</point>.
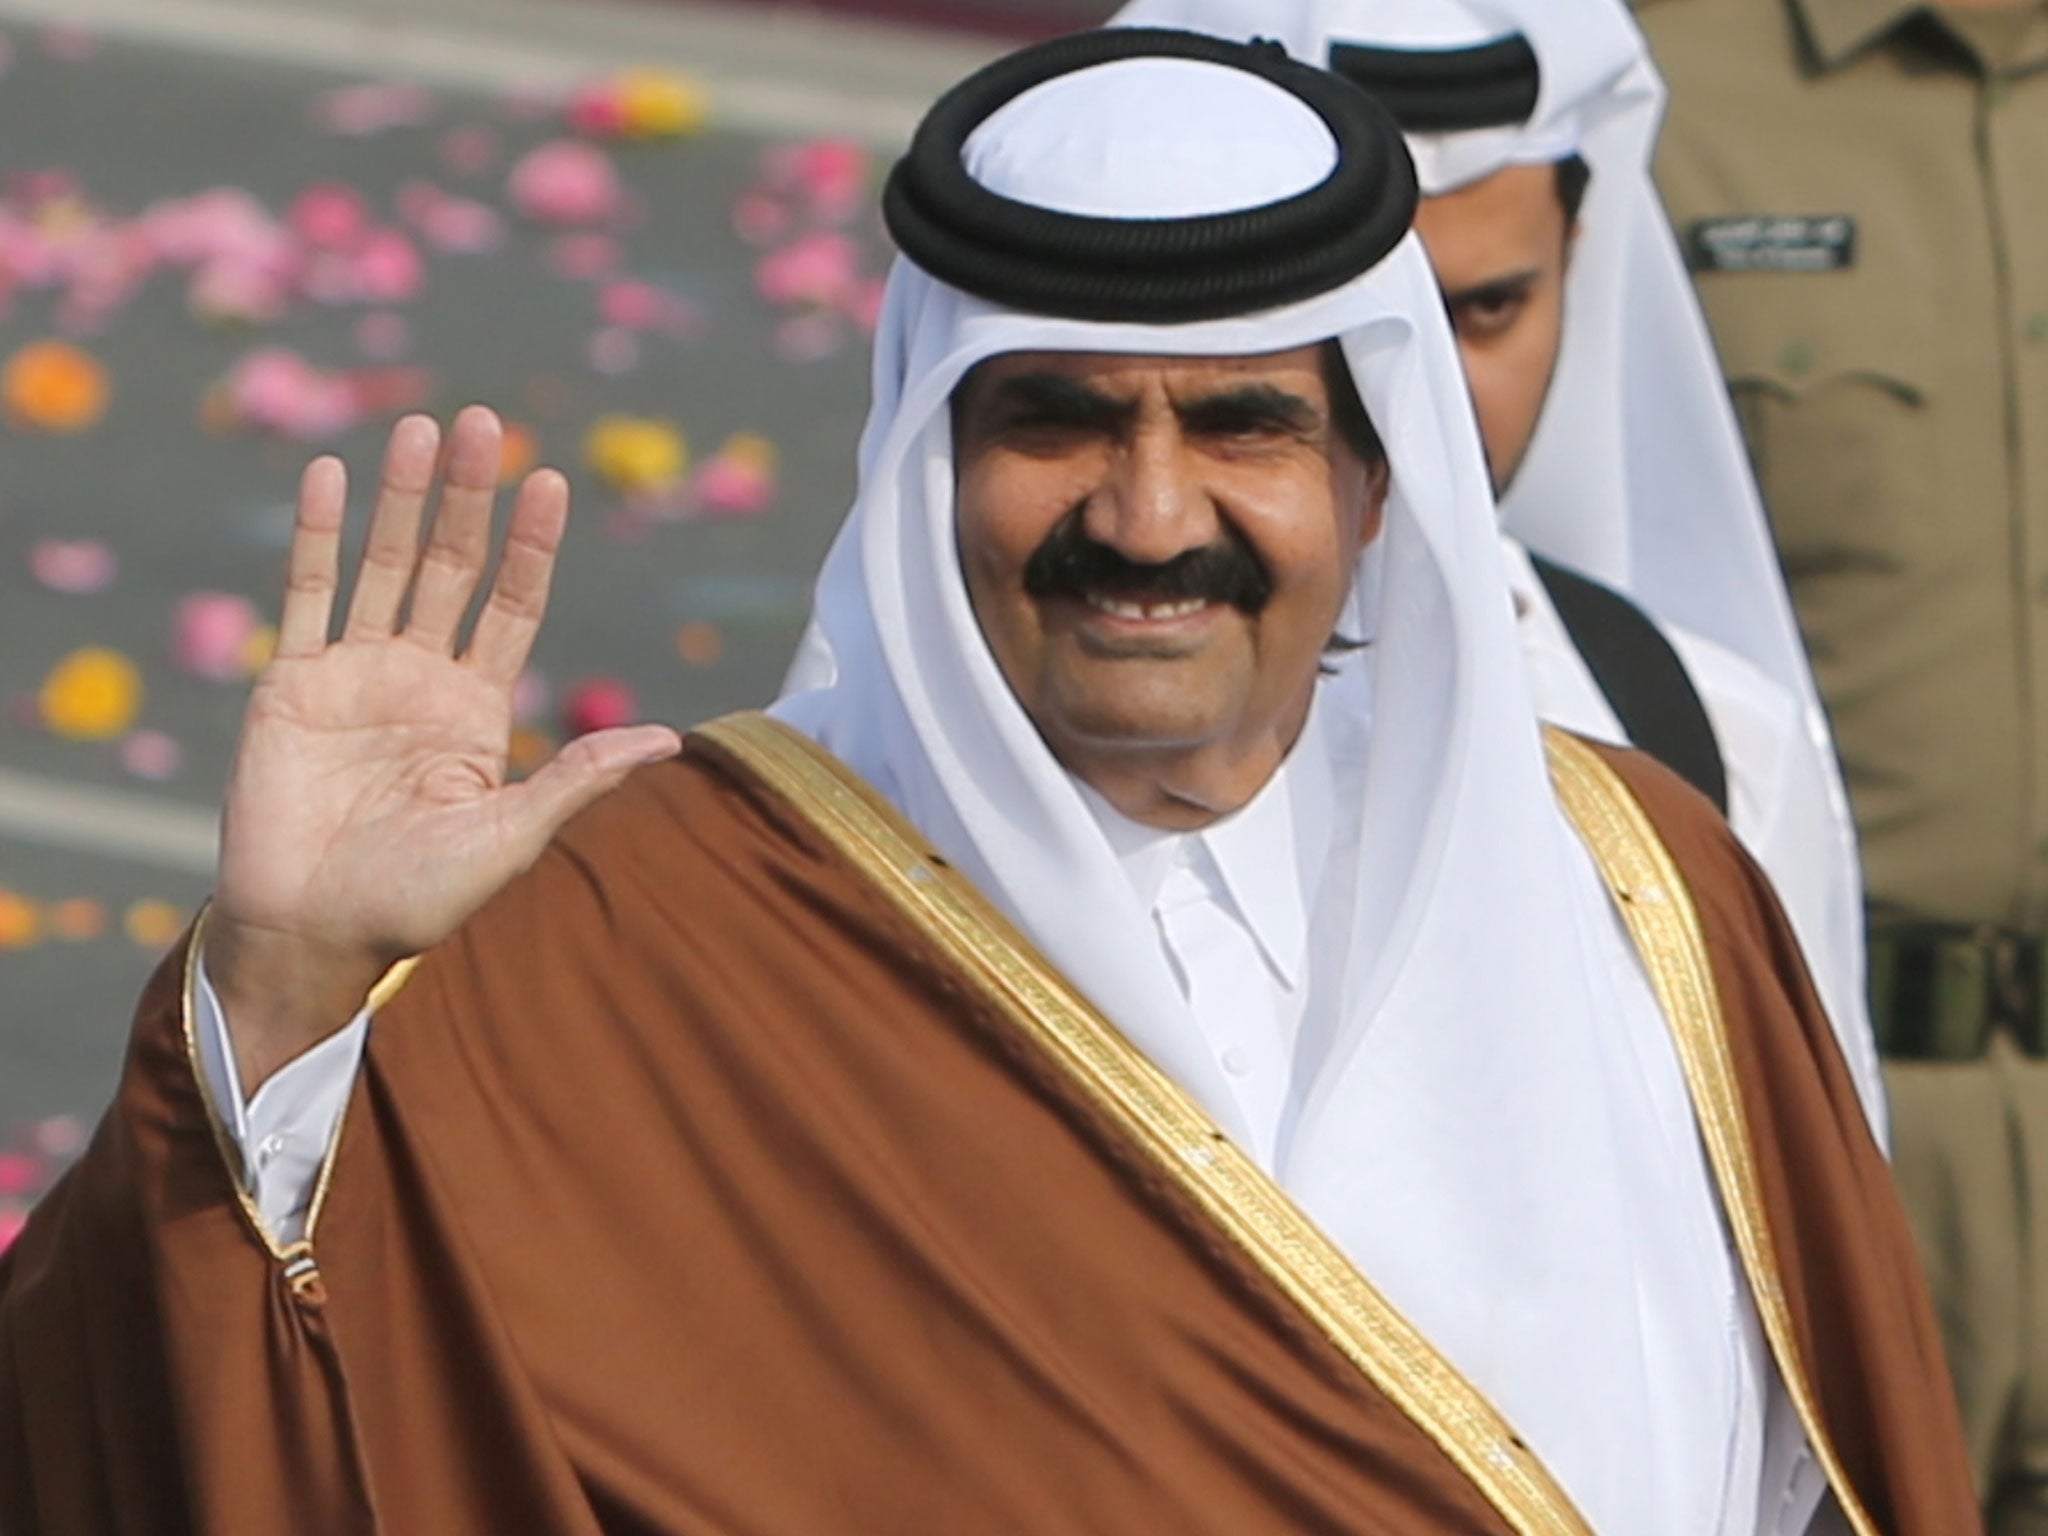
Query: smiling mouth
<point>1153,613</point>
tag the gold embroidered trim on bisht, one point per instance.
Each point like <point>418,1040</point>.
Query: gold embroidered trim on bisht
<point>1226,1185</point>
<point>296,1258</point>
<point>1657,908</point>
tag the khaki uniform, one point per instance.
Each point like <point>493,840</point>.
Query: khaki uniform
<point>1862,186</point>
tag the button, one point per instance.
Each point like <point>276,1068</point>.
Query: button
<point>267,1151</point>
<point>1236,1063</point>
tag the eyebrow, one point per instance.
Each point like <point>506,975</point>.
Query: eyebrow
<point>1511,286</point>
<point>1251,408</point>
<point>1057,399</point>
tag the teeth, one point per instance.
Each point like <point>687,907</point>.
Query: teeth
<point>1119,609</point>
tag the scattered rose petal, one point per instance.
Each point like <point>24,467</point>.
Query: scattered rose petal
<point>645,307</point>
<point>20,1174</point>
<point>151,755</point>
<point>470,150</point>
<point>383,335</point>
<point>152,924</point>
<point>821,269</point>
<point>529,696</point>
<point>458,226</point>
<point>387,268</point>
<point>234,292</point>
<point>583,257</point>
<point>761,217</point>
<point>76,920</point>
<point>77,567</point>
<point>809,338</point>
<point>614,351</point>
<point>59,1136</point>
<point>636,455</point>
<point>210,634</point>
<point>831,175</point>
<point>91,695</point>
<point>565,182</point>
<point>52,386</point>
<point>598,704</point>
<point>700,644</point>
<point>357,111</point>
<point>738,480</point>
<point>329,215</point>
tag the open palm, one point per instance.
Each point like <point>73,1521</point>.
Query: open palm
<point>368,813</point>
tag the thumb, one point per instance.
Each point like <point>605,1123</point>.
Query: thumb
<point>588,767</point>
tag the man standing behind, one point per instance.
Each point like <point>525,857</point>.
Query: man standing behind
<point>1860,187</point>
<point>1652,612</point>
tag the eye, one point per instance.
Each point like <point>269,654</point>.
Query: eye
<point>1488,313</point>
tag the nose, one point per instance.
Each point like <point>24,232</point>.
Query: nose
<point>1152,505</point>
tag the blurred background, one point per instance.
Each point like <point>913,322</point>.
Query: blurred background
<point>235,233</point>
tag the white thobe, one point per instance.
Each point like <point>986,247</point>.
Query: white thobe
<point>1777,806</point>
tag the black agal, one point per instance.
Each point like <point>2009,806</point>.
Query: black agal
<point>1150,270</point>
<point>1447,90</point>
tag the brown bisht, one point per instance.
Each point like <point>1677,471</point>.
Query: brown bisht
<point>737,1170</point>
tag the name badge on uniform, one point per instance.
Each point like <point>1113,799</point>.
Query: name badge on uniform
<point>1768,242</point>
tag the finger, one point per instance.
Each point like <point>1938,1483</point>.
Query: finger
<point>460,541</point>
<point>519,596</point>
<point>587,768</point>
<point>393,547</point>
<point>314,566</point>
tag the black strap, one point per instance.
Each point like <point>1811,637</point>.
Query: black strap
<point>1644,681</point>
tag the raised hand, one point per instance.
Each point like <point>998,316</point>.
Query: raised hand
<point>368,812</point>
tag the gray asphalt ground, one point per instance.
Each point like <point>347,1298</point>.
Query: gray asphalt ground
<point>186,509</point>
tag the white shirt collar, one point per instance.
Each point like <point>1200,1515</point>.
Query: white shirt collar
<point>1263,862</point>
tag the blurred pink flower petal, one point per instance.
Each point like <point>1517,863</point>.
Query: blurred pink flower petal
<point>383,335</point>
<point>638,306</point>
<point>388,268</point>
<point>455,226</point>
<point>226,290</point>
<point>583,257</point>
<point>59,1136</point>
<point>820,269</point>
<point>20,1174</point>
<point>565,182</point>
<point>152,755</point>
<point>598,704</point>
<point>833,176</point>
<point>210,634</point>
<point>598,111</point>
<point>613,351</point>
<point>529,696</point>
<point>761,218</point>
<point>329,215</point>
<point>276,390</point>
<point>470,150</point>
<point>809,338</point>
<point>78,567</point>
<point>356,111</point>
<point>737,481</point>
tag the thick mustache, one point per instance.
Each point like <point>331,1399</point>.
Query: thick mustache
<point>1070,564</point>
